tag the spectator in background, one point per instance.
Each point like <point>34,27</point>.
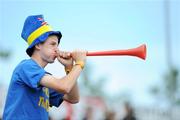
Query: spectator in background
<point>110,115</point>
<point>88,113</point>
<point>129,112</point>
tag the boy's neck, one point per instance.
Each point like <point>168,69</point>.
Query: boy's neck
<point>39,60</point>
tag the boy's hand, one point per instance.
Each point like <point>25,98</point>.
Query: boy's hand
<point>65,58</point>
<point>79,55</point>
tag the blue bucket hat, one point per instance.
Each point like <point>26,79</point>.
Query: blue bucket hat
<point>36,30</point>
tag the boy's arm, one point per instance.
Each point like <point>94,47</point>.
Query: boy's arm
<point>62,85</point>
<point>73,95</point>
<point>67,84</point>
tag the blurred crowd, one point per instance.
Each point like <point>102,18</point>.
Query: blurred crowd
<point>95,111</point>
<point>97,108</point>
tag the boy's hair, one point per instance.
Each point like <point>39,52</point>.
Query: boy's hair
<point>30,51</point>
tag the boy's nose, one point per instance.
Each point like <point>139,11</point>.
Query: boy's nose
<point>56,50</point>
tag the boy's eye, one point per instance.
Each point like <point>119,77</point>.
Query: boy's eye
<point>53,43</point>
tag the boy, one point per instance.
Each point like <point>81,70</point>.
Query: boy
<point>32,90</point>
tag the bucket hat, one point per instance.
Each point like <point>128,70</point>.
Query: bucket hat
<point>36,30</point>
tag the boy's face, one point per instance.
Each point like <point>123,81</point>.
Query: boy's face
<point>48,49</point>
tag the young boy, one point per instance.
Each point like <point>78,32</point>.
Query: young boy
<point>32,90</point>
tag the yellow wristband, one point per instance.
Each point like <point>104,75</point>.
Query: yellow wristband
<point>81,63</point>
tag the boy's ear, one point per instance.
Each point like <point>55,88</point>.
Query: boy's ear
<point>37,46</point>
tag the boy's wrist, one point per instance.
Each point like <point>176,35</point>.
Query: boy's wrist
<point>80,63</point>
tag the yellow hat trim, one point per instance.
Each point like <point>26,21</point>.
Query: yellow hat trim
<point>43,29</point>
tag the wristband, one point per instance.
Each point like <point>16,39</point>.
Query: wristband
<point>81,63</point>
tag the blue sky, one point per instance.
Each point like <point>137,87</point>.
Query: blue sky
<point>99,25</point>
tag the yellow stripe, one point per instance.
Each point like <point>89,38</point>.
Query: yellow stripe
<point>38,32</point>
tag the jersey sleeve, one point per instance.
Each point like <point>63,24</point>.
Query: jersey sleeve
<point>31,75</point>
<point>55,98</point>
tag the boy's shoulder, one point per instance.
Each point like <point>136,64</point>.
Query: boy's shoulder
<point>27,63</point>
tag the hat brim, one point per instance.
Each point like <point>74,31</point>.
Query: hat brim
<point>42,38</point>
